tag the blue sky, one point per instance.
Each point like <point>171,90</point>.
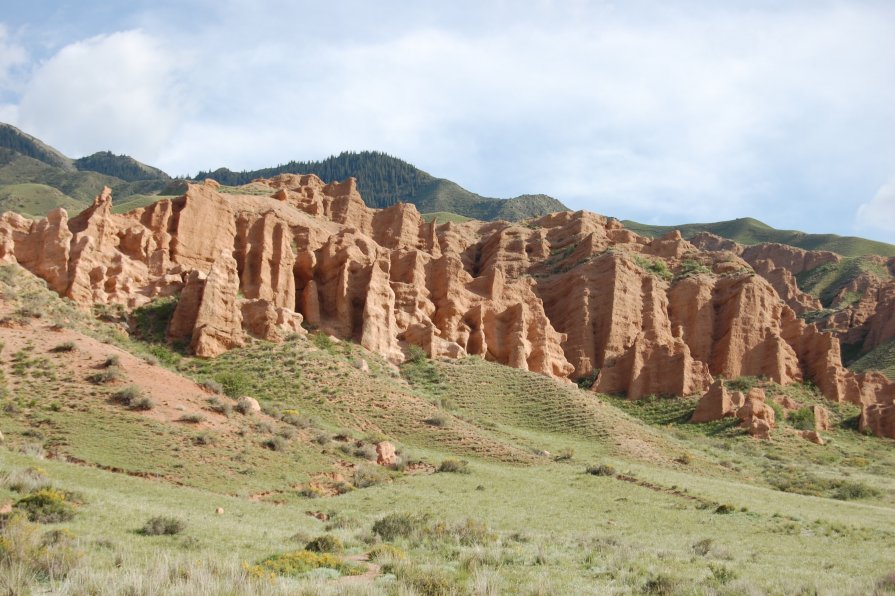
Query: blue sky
<point>663,112</point>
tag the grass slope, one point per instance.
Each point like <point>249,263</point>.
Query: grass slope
<point>825,282</point>
<point>35,199</point>
<point>696,509</point>
<point>751,231</point>
<point>881,358</point>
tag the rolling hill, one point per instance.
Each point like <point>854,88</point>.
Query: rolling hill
<point>747,230</point>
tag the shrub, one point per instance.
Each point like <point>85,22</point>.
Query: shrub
<point>295,419</point>
<point>601,470</point>
<point>703,547</point>
<point>203,439</point>
<point>327,543</point>
<point>660,584</point>
<point>802,419</point>
<point>366,451</point>
<point>68,346</point>
<point>323,341</point>
<point>415,354</point>
<point>113,360</point>
<point>366,476</point>
<point>234,383</point>
<point>437,420</point>
<point>244,406</point>
<point>725,508</point>
<point>191,418</point>
<point>722,574</point>
<point>454,466</point>
<point>564,454</point>
<point>321,438</point>
<point>276,443</point>
<point>472,532</point>
<point>220,406</point>
<point>684,459</point>
<point>110,375</point>
<point>212,386</point>
<point>144,402</point>
<point>303,561</point>
<point>50,556</point>
<point>162,526</point>
<point>386,551</point>
<point>657,267</point>
<point>848,491</point>
<point>400,525</point>
<point>25,480</point>
<point>47,505</point>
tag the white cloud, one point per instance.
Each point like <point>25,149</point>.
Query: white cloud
<point>879,213</point>
<point>683,111</point>
<point>12,57</point>
<point>116,91</point>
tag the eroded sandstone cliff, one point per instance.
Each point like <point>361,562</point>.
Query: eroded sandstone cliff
<point>568,295</point>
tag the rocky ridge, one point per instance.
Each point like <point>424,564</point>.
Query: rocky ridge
<point>568,295</point>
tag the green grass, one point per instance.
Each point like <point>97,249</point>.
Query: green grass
<point>751,231</point>
<point>36,199</point>
<point>138,201</point>
<point>825,282</point>
<point>881,358</point>
<point>526,517</point>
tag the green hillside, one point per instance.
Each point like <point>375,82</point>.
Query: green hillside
<point>35,178</point>
<point>384,180</point>
<point>881,358</point>
<point>747,230</point>
<point>120,166</point>
<point>508,482</point>
<point>35,199</point>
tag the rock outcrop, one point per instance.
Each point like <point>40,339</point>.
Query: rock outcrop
<point>567,295</point>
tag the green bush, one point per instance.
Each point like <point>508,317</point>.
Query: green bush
<point>802,419</point>
<point>437,420</point>
<point>725,508</point>
<point>327,543</point>
<point>68,346</point>
<point>133,398</point>
<point>47,505</point>
<point>564,454</point>
<point>416,354</point>
<point>401,525</point>
<point>454,466</point>
<point>386,551</point>
<point>601,470</point>
<point>849,491</point>
<point>162,526</point>
<point>275,443</point>
<point>299,562</point>
<point>111,374</point>
<point>220,406</point>
<point>366,476</point>
<point>234,383</point>
<point>191,418</point>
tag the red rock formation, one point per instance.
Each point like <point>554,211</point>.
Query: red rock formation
<point>563,295</point>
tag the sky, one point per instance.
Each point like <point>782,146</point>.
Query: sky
<point>663,112</point>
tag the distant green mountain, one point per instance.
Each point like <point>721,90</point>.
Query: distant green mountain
<point>747,230</point>
<point>35,178</point>
<point>120,166</point>
<point>384,180</point>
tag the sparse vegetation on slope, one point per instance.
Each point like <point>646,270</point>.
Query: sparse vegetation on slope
<point>751,231</point>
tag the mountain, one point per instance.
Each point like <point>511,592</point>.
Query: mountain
<point>384,180</point>
<point>747,230</point>
<point>35,178</point>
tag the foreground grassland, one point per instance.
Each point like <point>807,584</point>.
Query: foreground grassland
<point>508,482</point>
